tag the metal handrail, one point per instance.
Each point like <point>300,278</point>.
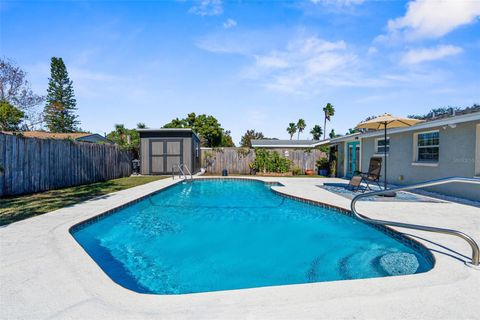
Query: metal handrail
<point>471,242</point>
<point>180,166</point>
<point>184,166</point>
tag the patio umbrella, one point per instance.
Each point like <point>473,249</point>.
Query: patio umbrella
<point>387,121</point>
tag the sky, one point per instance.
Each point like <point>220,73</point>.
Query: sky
<point>251,64</point>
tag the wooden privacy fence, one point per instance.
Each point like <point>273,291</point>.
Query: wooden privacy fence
<point>236,160</point>
<point>31,165</point>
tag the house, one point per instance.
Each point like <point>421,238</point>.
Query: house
<point>284,146</point>
<point>440,148</point>
<point>162,150</point>
<point>76,136</point>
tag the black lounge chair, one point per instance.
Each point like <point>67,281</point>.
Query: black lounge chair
<point>373,174</point>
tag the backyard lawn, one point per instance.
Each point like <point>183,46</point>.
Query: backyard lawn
<point>17,208</point>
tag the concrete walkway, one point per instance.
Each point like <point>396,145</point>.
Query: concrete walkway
<point>45,274</point>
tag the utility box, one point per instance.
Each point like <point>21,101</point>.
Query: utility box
<point>162,150</point>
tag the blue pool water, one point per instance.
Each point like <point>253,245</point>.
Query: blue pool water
<point>221,235</point>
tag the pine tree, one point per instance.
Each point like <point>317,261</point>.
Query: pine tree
<point>59,112</point>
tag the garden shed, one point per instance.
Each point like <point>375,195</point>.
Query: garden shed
<point>162,150</point>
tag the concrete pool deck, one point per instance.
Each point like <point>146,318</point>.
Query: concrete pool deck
<point>45,274</point>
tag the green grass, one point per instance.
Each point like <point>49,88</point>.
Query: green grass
<point>17,208</point>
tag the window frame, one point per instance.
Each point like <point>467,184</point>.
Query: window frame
<point>381,153</point>
<point>417,148</point>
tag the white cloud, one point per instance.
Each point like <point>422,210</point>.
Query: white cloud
<point>302,63</point>
<point>272,61</point>
<point>207,8</point>
<point>415,56</point>
<point>221,44</point>
<point>230,23</point>
<point>337,2</point>
<point>432,19</point>
<point>372,50</point>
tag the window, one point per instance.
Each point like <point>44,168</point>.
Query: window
<point>380,146</point>
<point>428,146</point>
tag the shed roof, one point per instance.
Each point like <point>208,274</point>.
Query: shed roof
<point>170,130</point>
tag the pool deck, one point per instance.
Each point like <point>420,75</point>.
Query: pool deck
<point>45,274</point>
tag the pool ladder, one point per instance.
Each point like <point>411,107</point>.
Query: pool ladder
<point>430,183</point>
<point>183,169</point>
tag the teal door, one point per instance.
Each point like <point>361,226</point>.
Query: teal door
<point>353,157</point>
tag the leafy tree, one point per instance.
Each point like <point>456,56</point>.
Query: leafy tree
<point>141,125</point>
<point>126,139</point>
<point>10,117</point>
<point>176,123</point>
<point>246,140</point>
<point>16,90</point>
<point>352,131</point>
<point>445,111</point>
<point>59,112</point>
<point>207,127</point>
<point>227,140</point>
<point>301,125</point>
<point>292,128</point>
<point>316,132</point>
<point>329,111</point>
<point>332,134</point>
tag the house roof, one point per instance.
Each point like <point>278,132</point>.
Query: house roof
<point>52,135</point>
<point>268,143</point>
<point>473,116</point>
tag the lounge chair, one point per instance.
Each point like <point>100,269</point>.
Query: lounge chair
<point>373,174</point>
<point>355,183</point>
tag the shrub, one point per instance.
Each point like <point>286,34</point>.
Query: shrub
<point>296,171</point>
<point>333,168</point>
<point>323,164</point>
<point>266,161</point>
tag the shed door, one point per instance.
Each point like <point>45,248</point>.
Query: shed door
<point>164,155</point>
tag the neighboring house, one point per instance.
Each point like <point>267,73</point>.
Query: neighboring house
<point>430,150</point>
<point>283,146</point>
<point>76,136</point>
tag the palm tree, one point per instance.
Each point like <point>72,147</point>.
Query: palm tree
<point>316,132</point>
<point>292,128</point>
<point>301,125</point>
<point>329,111</point>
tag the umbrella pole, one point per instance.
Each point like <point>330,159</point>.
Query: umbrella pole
<point>391,193</point>
<point>385,155</point>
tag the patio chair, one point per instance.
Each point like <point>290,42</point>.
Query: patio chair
<point>355,183</point>
<point>373,174</point>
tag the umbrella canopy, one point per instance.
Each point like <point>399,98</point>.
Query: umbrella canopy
<point>387,121</point>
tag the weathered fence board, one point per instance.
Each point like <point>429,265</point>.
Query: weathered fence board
<point>32,165</point>
<point>237,160</point>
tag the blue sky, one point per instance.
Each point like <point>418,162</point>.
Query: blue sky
<point>252,64</point>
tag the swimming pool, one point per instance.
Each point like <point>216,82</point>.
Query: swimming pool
<point>215,234</point>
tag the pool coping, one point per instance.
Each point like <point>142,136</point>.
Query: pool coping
<point>101,288</point>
